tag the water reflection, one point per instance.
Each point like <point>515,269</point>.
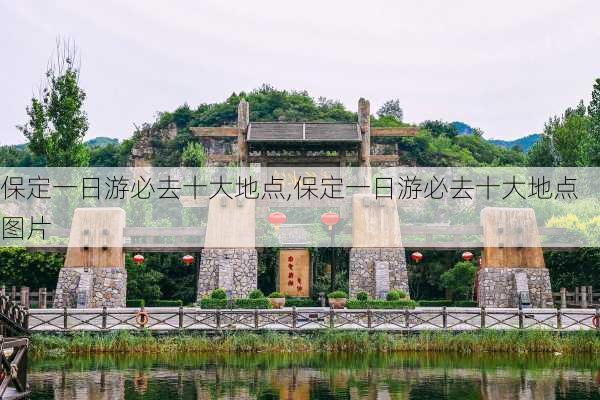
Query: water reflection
<point>404,376</point>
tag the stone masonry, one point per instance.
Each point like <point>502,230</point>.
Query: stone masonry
<point>232,269</point>
<point>367,264</point>
<point>91,288</point>
<point>497,287</point>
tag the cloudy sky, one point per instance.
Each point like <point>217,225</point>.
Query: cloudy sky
<point>505,67</point>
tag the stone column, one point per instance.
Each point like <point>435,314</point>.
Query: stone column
<point>364,122</point>
<point>512,260</point>
<point>94,272</point>
<point>242,123</point>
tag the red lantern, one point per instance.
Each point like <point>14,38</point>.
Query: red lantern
<point>416,256</point>
<point>467,256</point>
<point>187,259</point>
<point>330,219</point>
<point>138,259</point>
<point>276,219</point>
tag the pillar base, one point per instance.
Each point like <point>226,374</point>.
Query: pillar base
<point>497,287</point>
<point>377,271</point>
<point>91,288</point>
<point>232,269</point>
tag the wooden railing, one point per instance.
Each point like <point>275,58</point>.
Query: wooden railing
<point>13,317</point>
<point>30,298</point>
<point>580,297</point>
<point>292,319</point>
<point>13,368</point>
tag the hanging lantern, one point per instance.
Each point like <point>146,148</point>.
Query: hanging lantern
<point>467,256</point>
<point>138,259</point>
<point>330,219</point>
<point>277,218</point>
<point>416,257</point>
<point>187,259</point>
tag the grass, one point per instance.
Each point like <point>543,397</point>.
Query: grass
<point>334,342</point>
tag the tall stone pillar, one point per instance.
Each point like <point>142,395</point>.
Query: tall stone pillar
<point>94,271</point>
<point>364,122</point>
<point>512,269</point>
<point>242,123</point>
<point>229,259</point>
<point>377,259</point>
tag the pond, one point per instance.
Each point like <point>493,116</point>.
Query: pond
<point>297,376</point>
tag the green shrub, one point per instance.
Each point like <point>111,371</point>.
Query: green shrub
<point>394,295</point>
<point>256,294</point>
<point>137,303</point>
<point>301,302</point>
<point>381,304</point>
<point>362,296</point>
<point>252,303</point>
<point>276,295</point>
<point>465,303</point>
<point>218,294</point>
<point>166,303</point>
<point>338,294</point>
<point>213,304</point>
<point>435,303</point>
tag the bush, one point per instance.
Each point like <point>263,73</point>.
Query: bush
<point>213,304</point>
<point>256,294</point>
<point>435,303</point>
<point>465,303</point>
<point>338,294</point>
<point>381,304</point>
<point>252,303</point>
<point>362,296</point>
<point>459,280</point>
<point>276,295</point>
<point>301,302</point>
<point>135,303</point>
<point>166,303</point>
<point>218,294</point>
<point>394,295</point>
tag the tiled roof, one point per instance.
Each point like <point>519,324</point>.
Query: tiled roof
<point>303,132</point>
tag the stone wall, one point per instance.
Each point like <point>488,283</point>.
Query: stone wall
<point>233,269</point>
<point>91,287</point>
<point>497,287</point>
<point>366,263</point>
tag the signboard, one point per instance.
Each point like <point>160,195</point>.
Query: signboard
<point>294,273</point>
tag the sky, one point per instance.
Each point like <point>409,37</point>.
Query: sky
<point>504,66</point>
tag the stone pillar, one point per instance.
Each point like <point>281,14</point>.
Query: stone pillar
<point>242,123</point>
<point>512,260</point>
<point>229,259</point>
<point>364,122</point>
<point>377,259</point>
<point>94,272</point>
<point>563,297</point>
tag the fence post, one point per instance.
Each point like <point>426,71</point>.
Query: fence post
<point>218,318</point>
<point>483,314</point>
<point>406,319</point>
<point>584,303</point>
<point>369,318</point>
<point>256,318</point>
<point>444,317</point>
<point>577,295</point>
<point>104,318</point>
<point>563,297</point>
<point>559,319</point>
<point>65,319</point>
<point>181,317</point>
<point>294,317</point>
<point>521,324</point>
<point>331,318</point>
<point>24,296</point>
<point>42,298</point>
<point>13,294</point>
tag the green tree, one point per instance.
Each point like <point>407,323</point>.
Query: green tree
<point>193,155</point>
<point>593,148</point>
<point>57,122</point>
<point>459,280</point>
<point>391,108</point>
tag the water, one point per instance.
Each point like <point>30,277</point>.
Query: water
<point>269,376</point>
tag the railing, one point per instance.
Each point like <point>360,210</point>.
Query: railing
<point>292,319</point>
<point>13,317</point>
<point>36,298</point>
<point>582,296</point>
<point>13,368</point>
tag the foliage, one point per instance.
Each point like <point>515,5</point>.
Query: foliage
<point>256,294</point>
<point>465,303</point>
<point>338,294</point>
<point>276,295</point>
<point>165,303</point>
<point>593,148</point>
<point>362,296</point>
<point>459,280</point>
<point>394,295</point>
<point>57,122</point>
<point>301,302</point>
<point>381,304</point>
<point>391,108</point>
<point>216,304</point>
<point>19,267</point>
<point>435,303</point>
<point>135,303</point>
<point>218,294</point>
<point>143,282</point>
<point>193,155</point>
<point>262,303</point>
